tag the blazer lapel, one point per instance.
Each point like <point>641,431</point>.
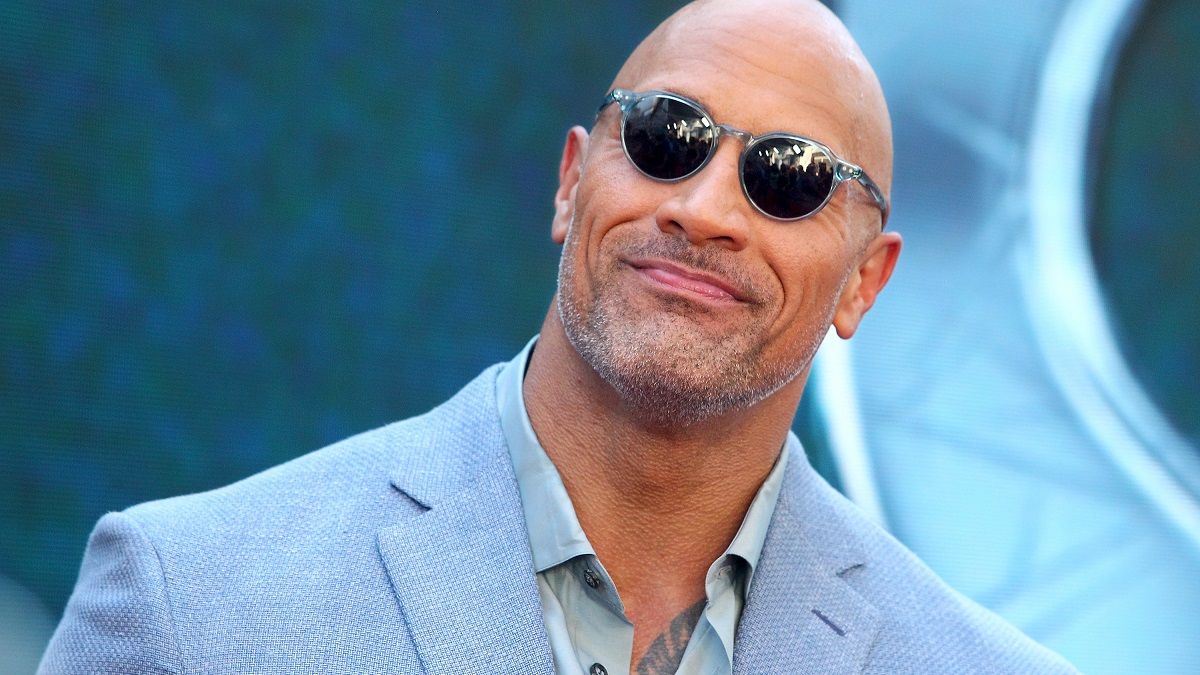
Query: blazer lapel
<point>801,615</point>
<point>464,578</point>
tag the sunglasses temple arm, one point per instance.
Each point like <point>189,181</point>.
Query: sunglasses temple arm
<point>607,99</point>
<point>876,194</point>
<point>619,96</point>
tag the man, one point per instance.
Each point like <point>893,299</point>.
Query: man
<point>625,495</point>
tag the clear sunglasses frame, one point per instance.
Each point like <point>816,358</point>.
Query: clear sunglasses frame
<point>843,170</point>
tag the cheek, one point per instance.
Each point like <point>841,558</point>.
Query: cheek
<point>611,200</point>
<point>811,283</point>
<point>581,241</point>
<point>587,240</point>
<point>614,184</point>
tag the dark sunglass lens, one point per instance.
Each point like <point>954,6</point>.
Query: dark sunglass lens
<point>667,139</point>
<point>787,178</point>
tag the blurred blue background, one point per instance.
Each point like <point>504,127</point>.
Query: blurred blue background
<point>234,232</point>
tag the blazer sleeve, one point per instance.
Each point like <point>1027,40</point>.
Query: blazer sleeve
<point>118,619</point>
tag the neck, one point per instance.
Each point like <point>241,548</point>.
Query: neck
<point>650,498</point>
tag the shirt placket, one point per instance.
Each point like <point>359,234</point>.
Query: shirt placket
<point>602,635</point>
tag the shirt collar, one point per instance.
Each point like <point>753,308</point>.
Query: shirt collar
<point>555,535</point>
<point>748,542</point>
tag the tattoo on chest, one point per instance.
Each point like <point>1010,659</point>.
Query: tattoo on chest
<point>666,651</point>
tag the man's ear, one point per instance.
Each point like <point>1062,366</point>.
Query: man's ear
<point>875,267</point>
<point>568,179</point>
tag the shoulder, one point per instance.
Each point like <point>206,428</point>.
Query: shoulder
<point>290,554</point>
<point>925,625</point>
<point>318,516</point>
<point>361,473</point>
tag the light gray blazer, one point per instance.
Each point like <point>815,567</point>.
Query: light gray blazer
<point>403,550</point>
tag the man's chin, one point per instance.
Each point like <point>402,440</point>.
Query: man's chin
<point>672,386</point>
<point>669,368</point>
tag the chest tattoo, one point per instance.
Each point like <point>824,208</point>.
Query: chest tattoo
<point>666,651</point>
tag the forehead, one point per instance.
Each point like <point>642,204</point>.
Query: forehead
<point>747,75</point>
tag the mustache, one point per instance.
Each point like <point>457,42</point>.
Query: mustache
<point>711,259</point>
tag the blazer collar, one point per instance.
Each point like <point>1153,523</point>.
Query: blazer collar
<point>461,568</point>
<point>802,615</point>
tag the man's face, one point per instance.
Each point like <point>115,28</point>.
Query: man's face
<point>682,295</point>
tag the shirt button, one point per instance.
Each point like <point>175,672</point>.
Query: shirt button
<point>593,580</point>
<point>597,669</point>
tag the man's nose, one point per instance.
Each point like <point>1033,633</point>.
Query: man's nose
<point>708,207</point>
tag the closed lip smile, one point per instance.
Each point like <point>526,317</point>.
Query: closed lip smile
<point>680,278</point>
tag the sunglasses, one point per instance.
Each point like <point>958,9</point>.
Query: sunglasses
<point>668,137</point>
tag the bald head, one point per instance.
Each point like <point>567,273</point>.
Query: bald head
<point>774,48</point>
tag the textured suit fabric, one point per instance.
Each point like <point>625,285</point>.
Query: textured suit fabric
<point>403,550</point>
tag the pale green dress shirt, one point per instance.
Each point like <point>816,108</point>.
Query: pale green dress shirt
<point>585,619</point>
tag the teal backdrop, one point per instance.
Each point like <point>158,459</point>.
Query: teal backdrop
<point>234,232</point>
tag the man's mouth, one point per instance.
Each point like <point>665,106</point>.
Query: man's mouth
<point>688,281</point>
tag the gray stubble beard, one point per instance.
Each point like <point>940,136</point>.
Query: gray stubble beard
<point>670,385</point>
